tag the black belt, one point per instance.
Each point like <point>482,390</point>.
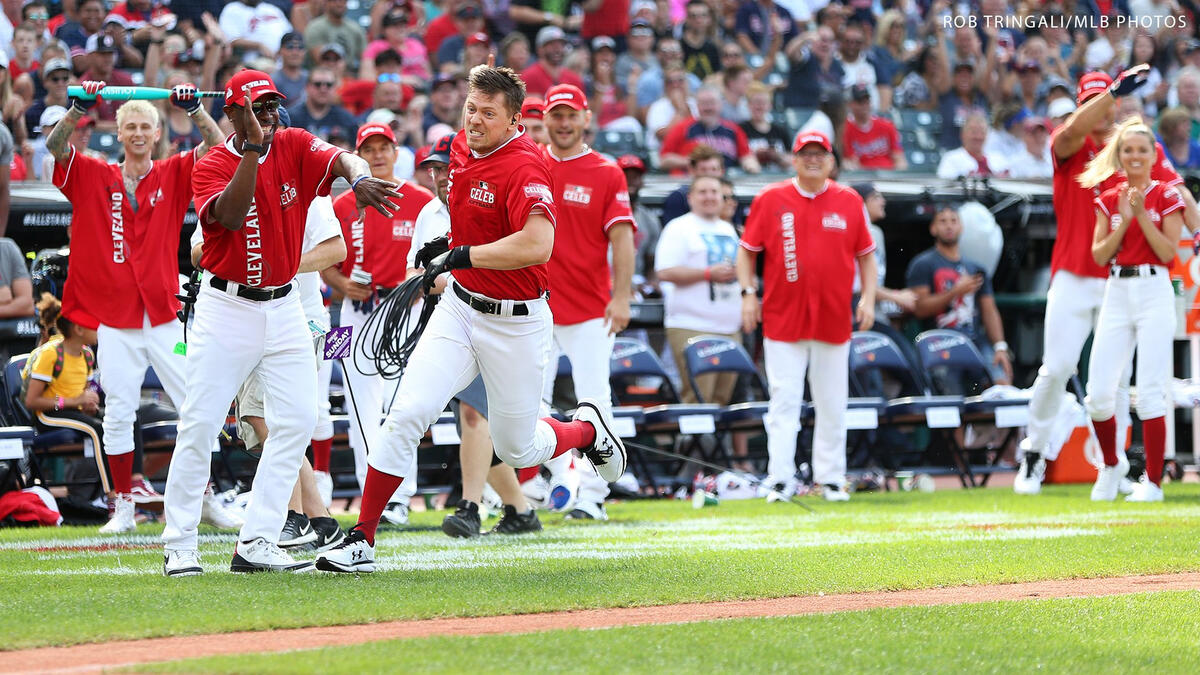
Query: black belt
<point>488,306</point>
<point>249,292</point>
<point>1135,271</point>
<point>382,293</point>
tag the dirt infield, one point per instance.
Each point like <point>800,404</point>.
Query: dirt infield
<point>95,657</point>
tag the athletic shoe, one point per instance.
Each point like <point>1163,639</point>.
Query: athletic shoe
<point>517,523</point>
<point>564,490</point>
<point>329,533</point>
<point>396,513</point>
<point>353,554</point>
<point>834,493</point>
<point>182,563</point>
<point>297,531</point>
<point>1145,491</point>
<point>1109,481</point>
<point>1126,486</point>
<point>1030,475</point>
<point>464,523</point>
<point>324,487</point>
<point>537,492</point>
<point>587,511</point>
<point>214,512</point>
<point>260,555</point>
<point>607,452</point>
<point>122,517</point>
<point>144,493</point>
<point>492,503</point>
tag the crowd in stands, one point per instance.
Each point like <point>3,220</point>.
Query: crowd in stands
<point>742,77</point>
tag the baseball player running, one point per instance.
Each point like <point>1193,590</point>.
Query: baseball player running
<point>1078,282</point>
<point>810,230</point>
<point>590,304</point>
<point>252,195</point>
<point>123,275</point>
<point>377,248</point>
<point>493,321</point>
<point>1138,222</point>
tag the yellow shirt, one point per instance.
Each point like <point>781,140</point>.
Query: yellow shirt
<point>70,382</point>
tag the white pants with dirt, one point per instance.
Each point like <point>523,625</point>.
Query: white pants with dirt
<point>510,352</point>
<point>588,346</point>
<point>122,357</point>
<point>1137,312</point>
<point>230,337</point>
<point>827,366</point>
<point>1072,305</point>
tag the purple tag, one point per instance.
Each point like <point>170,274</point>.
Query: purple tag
<point>337,343</point>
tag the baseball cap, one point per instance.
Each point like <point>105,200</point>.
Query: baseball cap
<point>641,27</point>
<point>252,83</point>
<point>864,189</point>
<point>1091,84</point>
<point>603,42</point>
<point>55,64</point>
<point>439,151</point>
<point>1059,107</point>
<point>533,107</point>
<point>548,34</point>
<point>368,130</point>
<point>1035,121</point>
<point>631,162</point>
<point>479,38</point>
<point>859,92</point>
<point>443,78</point>
<point>396,17</point>
<point>421,155</point>
<point>293,40</point>
<point>101,42</point>
<point>381,116</point>
<point>565,94</point>
<point>468,11</point>
<point>335,48</point>
<point>806,137</point>
<point>51,115</point>
<point>89,122</point>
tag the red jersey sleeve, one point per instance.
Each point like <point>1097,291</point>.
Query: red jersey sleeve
<point>209,179</point>
<point>743,146</point>
<point>673,142</point>
<point>754,234</point>
<point>1106,203</point>
<point>316,158</point>
<point>1170,201</point>
<point>76,171</point>
<point>181,166</point>
<point>530,189</point>
<point>617,209</point>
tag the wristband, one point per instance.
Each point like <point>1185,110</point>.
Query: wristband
<point>749,291</point>
<point>253,147</point>
<point>357,181</point>
<point>708,274</point>
<point>1000,346</point>
<point>59,403</point>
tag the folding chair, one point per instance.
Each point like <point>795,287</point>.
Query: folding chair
<point>45,442</point>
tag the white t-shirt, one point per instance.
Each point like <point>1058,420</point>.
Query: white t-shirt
<point>958,162</point>
<point>265,24</point>
<point>1025,165</point>
<point>692,241</point>
<point>659,115</point>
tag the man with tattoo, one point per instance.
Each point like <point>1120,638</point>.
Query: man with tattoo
<point>123,274</point>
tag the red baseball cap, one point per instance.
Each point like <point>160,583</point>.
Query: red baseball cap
<point>631,162</point>
<point>368,130</point>
<point>806,137</point>
<point>421,154</point>
<point>566,94</point>
<point>479,38</point>
<point>1091,84</point>
<point>252,83</point>
<point>533,108</point>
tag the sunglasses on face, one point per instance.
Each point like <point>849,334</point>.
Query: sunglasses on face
<point>39,16</point>
<point>322,84</point>
<point>265,107</point>
<point>388,77</point>
<point>60,78</point>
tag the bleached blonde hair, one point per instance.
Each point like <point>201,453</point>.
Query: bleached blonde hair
<point>1108,160</point>
<point>137,107</point>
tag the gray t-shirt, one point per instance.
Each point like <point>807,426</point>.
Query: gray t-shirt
<point>6,146</point>
<point>12,262</point>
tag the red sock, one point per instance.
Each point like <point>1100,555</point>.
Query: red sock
<point>527,474</point>
<point>379,489</point>
<point>1106,433</point>
<point>121,468</point>
<point>571,435</point>
<point>1154,435</point>
<point>321,450</point>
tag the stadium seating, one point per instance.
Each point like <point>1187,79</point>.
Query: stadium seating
<point>106,142</point>
<point>46,443</point>
<point>617,143</point>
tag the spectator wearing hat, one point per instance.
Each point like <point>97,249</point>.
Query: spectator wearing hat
<point>89,19</point>
<point>759,23</point>
<point>768,140</point>
<point>79,139</point>
<point>445,102</point>
<point>870,141</point>
<point>648,226</point>
<point>533,112</point>
<point>815,68</point>
<point>531,16</point>
<point>613,103</point>
<point>1058,110</point>
<point>401,37</point>
<point>1024,82</point>
<point>551,44</point>
<point>969,159</point>
<point>638,56</point>
<point>707,128</point>
<point>414,13</point>
<point>1004,138</point>
<point>963,100</point>
<point>1174,127</point>
<point>319,113</point>
<point>332,27</point>
<point>333,56</point>
<point>45,124</point>
<point>697,38</point>
<point>1033,160</point>
<point>291,76</point>
<point>254,27</point>
<point>468,26</point>
<point>56,76</point>
<point>463,18</point>
<point>464,51</point>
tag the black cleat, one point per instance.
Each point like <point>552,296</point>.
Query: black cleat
<point>517,523</point>
<point>464,523</point>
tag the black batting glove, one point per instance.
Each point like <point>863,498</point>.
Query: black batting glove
<point>184,96</point>
<point>431,250</point>
<point>456,258</point>
<point>1129,81</point>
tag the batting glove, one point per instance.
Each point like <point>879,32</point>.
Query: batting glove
<point>1129,81</point>
<point>184,96</point>
<point>431,250</point>
<point>92,87</point>
<point>456,258</point>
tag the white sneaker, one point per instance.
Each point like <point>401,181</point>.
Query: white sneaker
<point>324,487</point>
<point>564,490</point>
<point>354,554</point>
<point>214,512</point>
<point>1145,491</point>
<point>1029,478</point>
<point>396,513</point>
<point>491,500</point>
<point>537,492</point>
<point>182,563</point>
<point>1126,486</point>
<point>260,555</point>
<point>122,519</point>
<point>1109,481</point>
<point>607,453</point>
<point>835,493</point>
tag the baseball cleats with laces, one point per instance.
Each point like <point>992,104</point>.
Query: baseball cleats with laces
<point>607,452</point>
<point>329,533</point>
<point>396,513</point>
<point>297,531</point>
<point>1108,481</point>
<point>184,563</point>
<point>260,555</point>
<point>354,554</point>
<point>1030,474</point>
<point>517,523</point>
<point>122,519</point>
<point>464,522</point>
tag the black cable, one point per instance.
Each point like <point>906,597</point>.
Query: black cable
<point>387,338</point>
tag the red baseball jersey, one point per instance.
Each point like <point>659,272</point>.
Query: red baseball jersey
<point>491,197</point>
<point>872,146</point>
<point>379,244</point>
<point>266,250</point>
<point>809,244</point>
<point>592,197</point>
<point>124,266</point>
<point>1075,211</point>
<point>1161,201</point>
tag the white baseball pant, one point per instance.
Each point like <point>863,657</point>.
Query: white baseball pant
<point>230,337</point>
<point>1072,305</point>
<point>121,359</point>
<point>324,429</point>
<point>1137,312</point>
<point>588,346</point>
<point>827,366</point>
<point>510,352</point>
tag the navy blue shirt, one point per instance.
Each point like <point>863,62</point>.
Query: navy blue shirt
<point>939,274</point>
<point>752,21</point>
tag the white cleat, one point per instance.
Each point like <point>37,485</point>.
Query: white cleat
<point>1029,478</point>
<point>260,555</point>
<point>182,563</point>
<point>1145,491</point>
<point>537,492</point>
<point>214,512</point>
<point>354,554</point>
<point>122,519</point>
<point>607,453</point>
<point>1108,482</point>
<point>835,493</point>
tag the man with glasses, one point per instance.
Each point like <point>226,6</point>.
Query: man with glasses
<point>639,51</point>
<point>252,197</point>
<point>810,231</point>
<point>319,113</point>
<point>651,84</point>
<point>292,75</point>
<point>56,76</point>
<point>856,70</point>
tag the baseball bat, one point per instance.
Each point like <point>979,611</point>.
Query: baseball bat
<point>134,93</point>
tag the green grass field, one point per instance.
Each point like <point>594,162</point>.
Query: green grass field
<point>69,586</point>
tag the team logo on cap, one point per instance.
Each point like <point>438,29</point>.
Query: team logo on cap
<point>562,96</point>
<point>577,194</point>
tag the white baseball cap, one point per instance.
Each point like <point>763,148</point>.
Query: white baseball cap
<point>51,115</point>
<point>1059,107</point>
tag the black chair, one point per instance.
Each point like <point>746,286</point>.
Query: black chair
<point>46,443</point>
<point>617,143</point>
